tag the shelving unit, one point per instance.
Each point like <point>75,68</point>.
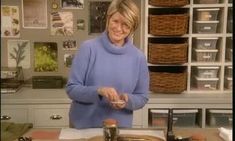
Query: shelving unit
<point>224,10</point>
<point>194,98</point>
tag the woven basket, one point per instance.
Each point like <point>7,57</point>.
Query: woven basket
<point>168,3</point>
<point>170,24</point>
<point>168,82</point>
<point>167,53</point>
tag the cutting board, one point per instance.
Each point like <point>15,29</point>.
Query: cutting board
<point>148,138</point>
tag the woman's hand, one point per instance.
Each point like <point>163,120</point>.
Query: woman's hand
<point>109,93</point>
<point>120,104</point>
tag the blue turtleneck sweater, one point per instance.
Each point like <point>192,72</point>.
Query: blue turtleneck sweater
<point>99,63</point>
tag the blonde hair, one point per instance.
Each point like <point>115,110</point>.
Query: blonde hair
<point>128,9</point>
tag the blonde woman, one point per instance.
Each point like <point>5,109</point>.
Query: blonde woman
<point>109,76</point>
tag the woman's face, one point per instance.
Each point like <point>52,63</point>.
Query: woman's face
<point>118,29</point>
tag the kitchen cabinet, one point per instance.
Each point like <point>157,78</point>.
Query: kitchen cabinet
<point>45,108</point>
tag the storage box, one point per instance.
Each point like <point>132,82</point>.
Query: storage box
<point>206,83</point>
<point>205,43</point>
<point>229,71</point>
<point>168,51</point>
<point>229,54</point>
<point>205,26</point>
<point>181,118</point>
<point>168,79</point>
<point>229,83</point>
<point>207,72</point>
<point>206,1</point>
<point>219,118</point>
<point>229,42</point>
<point>205,55</point>
<point>209,14</point>
<point>230,26</point>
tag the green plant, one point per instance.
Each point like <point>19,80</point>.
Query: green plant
<point>18,53</point>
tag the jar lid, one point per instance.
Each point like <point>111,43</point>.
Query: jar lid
<point>110,122</point>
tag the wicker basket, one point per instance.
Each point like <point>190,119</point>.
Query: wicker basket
<point>168,82</point>
<point>169,24</point>
<point>167,53</point>
<point>168,3</point>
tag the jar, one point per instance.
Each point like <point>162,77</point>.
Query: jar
<point>110,130</point>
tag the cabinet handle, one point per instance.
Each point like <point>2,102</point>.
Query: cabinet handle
<point>5,117</point>
<point>56,117</point>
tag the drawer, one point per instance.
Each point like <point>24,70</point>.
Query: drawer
<point>206,83</point>
<point>209,14</point>
<point>205,26</point>
<point>54,117</point>
<point>205,43</point>
<point>206,1</point>
<point>17,115</point>
<point>181,118</point>
<point>219,117</point>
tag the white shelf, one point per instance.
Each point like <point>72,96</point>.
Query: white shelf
<point>222,34</point>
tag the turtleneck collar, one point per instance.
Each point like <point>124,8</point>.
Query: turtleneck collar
<point>112,48</point>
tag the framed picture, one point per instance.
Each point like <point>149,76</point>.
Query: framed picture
<point>34,14</point>
<point>69,45</point>
<point>72,4</point>
<point>68,58</point>
<point>62,23</point>
<point>45,57</point>
<point>10,23</point>
<point>97,10</point>
<point>18,53</point>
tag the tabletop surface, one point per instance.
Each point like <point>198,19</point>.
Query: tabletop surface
<point>211,134</point>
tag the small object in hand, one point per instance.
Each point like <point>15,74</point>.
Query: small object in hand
<point>24,139</point>
<point>118,102</point>
<point>198,137</point>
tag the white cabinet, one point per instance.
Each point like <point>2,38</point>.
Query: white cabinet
<point>50,116</point>
<point>137,118</point>
<point>209,40</point>
<point>14,113</point>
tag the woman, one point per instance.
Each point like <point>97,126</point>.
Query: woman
<point>108,70</point>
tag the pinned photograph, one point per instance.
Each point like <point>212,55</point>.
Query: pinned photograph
<point>80,24</point>
<point>45,57</point>
<point>34,13</point>
<point>68,58</point>
<point>97,16</point>
<point>69,45</point>
<point>72,4</point>
<point>18,53</point>
<point>62,23</point>
<point>10,23</point>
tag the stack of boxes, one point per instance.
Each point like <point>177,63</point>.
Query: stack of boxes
<point>205,49</point>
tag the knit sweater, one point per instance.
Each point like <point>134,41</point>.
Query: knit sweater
<point>99,63</point>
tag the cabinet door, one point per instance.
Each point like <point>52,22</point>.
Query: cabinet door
<point>14,113</point>
<point>51,116</point>
<point>137,119</point>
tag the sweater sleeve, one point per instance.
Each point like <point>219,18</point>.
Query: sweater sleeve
<point>75,86</point>
<point>139,97</point>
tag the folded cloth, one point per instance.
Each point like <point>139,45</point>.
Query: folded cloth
<point>11,131</point>
<point>225,134</point>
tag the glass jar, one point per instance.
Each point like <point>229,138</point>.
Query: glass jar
<point>110,130</point>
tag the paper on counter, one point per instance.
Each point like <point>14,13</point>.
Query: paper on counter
<point>71,133</point>
<point>226,134</point>
<point>154,133</point>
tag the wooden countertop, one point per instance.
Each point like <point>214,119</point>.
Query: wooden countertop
<point>212,134</point>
